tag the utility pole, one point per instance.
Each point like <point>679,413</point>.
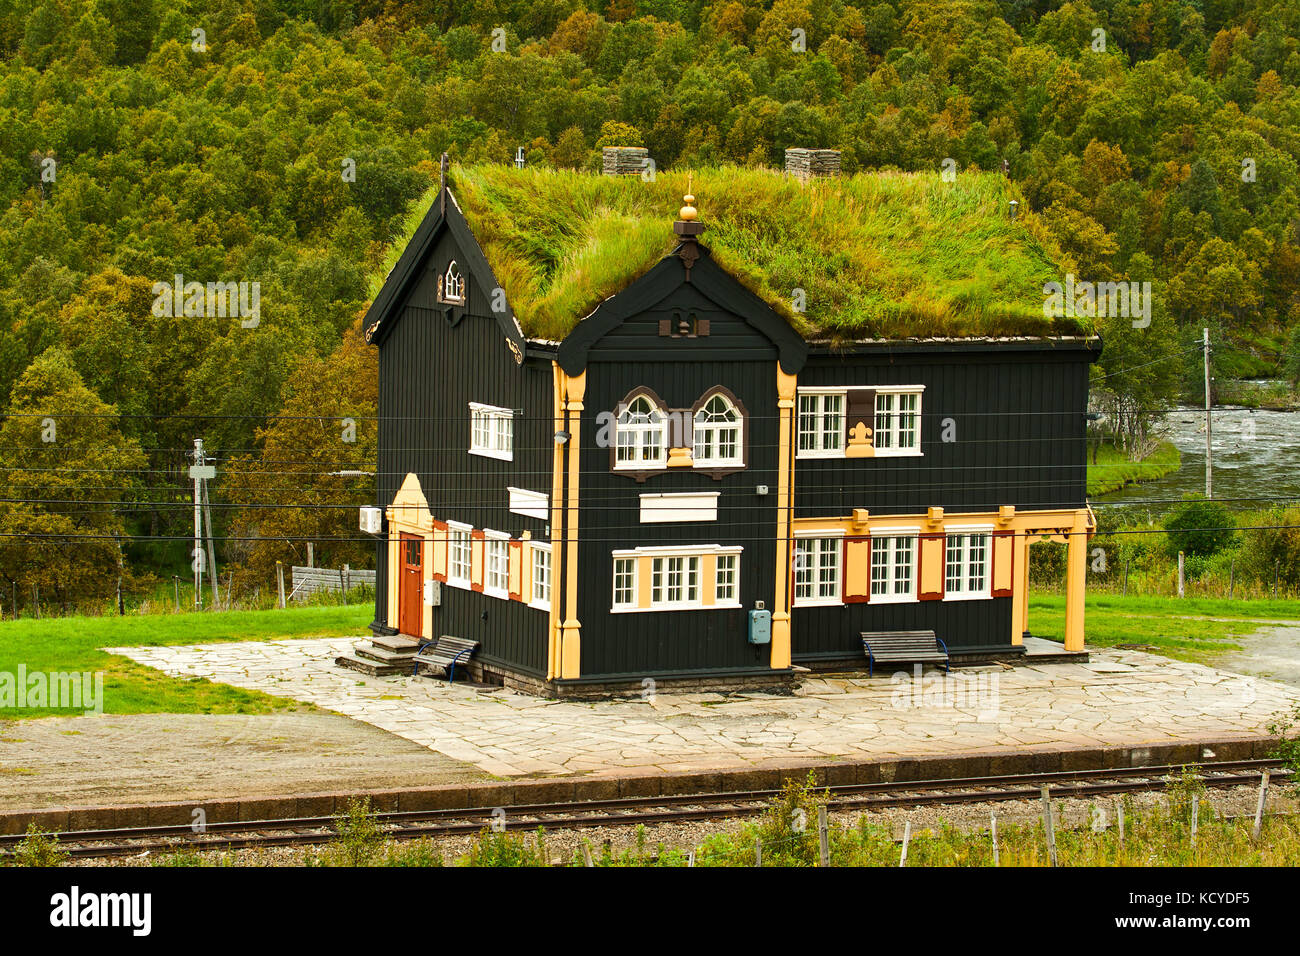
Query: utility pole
<point>1209,442</point>
<point>212,551</point>
<point>200,471</point>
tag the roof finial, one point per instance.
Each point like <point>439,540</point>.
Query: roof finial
<point>688,213</point>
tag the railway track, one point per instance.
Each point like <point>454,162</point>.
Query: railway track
<point>633,811</point>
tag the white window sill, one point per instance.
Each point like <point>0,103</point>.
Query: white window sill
<point>656,608</point>
<point>493,592</point>
<point>540,605</point>
<point>834,453</point>
<point>898,453</point>
<point>962,596</point>
<point>640,465</point>
<point>462,583</point>
<point>488,453</point>
<point>704,463</point>
<point>893,598</point>
<point>818,602</point>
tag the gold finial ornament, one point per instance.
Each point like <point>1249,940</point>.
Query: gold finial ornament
<point>688,213</point>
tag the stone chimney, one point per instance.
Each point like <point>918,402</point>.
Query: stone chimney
<point>812,163</point>
<point>624,160</point>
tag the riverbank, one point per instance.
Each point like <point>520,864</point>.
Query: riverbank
<point>1272,394</point>
<point>1114,470</point>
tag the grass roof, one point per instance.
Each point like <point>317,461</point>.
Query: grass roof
<point>878,255</point>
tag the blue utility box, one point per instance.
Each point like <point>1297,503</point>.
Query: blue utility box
<point>760,627</point>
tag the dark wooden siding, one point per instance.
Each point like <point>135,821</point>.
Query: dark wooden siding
<point>834,633</point>
<point>680,371</point>
<point>429,372</point>
<point>1017,418</point>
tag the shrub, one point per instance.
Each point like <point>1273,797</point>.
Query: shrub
<point>1199,527</point>
<point>359,835</point>
<point>39,848</point>
<point>1274,544</point>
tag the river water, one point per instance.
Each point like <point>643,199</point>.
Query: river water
<point>1256,454</point>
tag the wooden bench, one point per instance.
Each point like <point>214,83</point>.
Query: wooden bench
<point>444,652</point>
<point>903,647</point>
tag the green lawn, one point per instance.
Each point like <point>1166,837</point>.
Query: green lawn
<point>1182,629</point>
<point>1113,469</point>
<point>72,644</point>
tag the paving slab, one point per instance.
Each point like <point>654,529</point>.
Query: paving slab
<point>1118,698</point>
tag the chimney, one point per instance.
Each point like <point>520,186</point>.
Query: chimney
<point>812,163</point>
<point>688,228</point>
<point>624,160</point>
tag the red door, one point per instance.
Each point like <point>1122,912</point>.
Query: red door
<point>409,610</point>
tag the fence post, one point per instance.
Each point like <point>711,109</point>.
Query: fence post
<point>1119,813</point>
<point>823,837</point>
<point>1196,812</point>
<point>758,852</point>
<point>1277,567</point>
<point>343,584</point>
<point>1126,577</point>
<point>1180,574</point>
<point>1232,577</point>
<point>907,838</point>
<point>1259,807</point>
<point>311,555</point>
<point>279,580</point>
<point>36,591</point>
<point>994,819</point>
<point>176,588</point>
<point>1048,825</point>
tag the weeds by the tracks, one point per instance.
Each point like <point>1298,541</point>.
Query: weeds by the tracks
<point>38,848</point>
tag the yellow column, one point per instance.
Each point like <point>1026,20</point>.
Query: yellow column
<point>785,393</point>
<point>571,630</point>
<point>1019,588</point>
<point>557,533</point>
<point>1076,570</point>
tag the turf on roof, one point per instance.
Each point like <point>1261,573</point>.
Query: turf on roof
<point>880,255</point>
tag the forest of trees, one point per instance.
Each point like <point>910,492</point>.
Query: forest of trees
<point>281,141</point>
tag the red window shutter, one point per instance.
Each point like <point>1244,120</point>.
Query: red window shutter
<point>438,558</point>
<point>477,557</point>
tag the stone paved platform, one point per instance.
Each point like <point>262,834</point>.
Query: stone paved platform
<point>1120,698</point>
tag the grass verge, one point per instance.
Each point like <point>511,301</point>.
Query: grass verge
<point>74,645</point>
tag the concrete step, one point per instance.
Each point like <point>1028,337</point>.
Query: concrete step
<point>394,642</point>
<point>371,668</point>
<point>382,656</point>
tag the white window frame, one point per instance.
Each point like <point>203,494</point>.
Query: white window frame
<point>912,537</point>
<point>639,431</point>
<point>543,601</point>
<point>630,604</point>
<point>714,430</point>
<point>676,572</point>
<point>732,581</point>
<point>818,564</point>
<point>688,553</point>
<point>495,441</point>
<point>965,533</point>
<point>886,440</point>
<point>496,545</point>
<point>458,533</point>
<point>458,295</point>
<point>820,432</point>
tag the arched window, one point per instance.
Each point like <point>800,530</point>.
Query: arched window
<point>452,284</point>
<point>718,431</point>
<point>641,435</point>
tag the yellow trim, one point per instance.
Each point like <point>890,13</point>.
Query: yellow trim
<point>1071,526</point>
<point>557,531</point>
<point>786,386</point>
<point>644,574</point>
<point>930,554</point>
<point>857,560</point>
<point>571,629</point>
<point>860,442</point>
<point>409,513</point>
<point>680,458</point>
<point>708,579</point>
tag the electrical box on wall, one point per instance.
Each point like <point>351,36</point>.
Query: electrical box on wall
<point>432,593</point>
<point>760,627</point>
